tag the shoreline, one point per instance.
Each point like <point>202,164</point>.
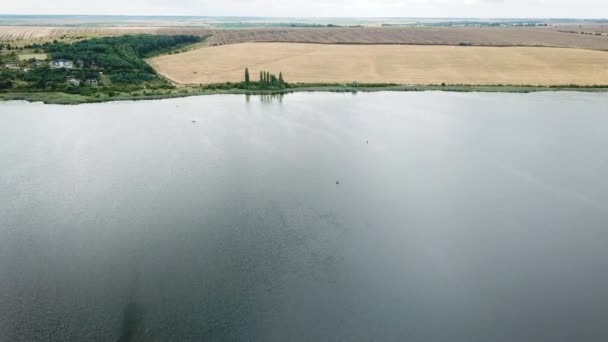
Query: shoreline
<point>75,99</point>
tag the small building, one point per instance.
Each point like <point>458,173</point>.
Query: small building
<point>92,82</point>
<point>39,63</point>
<point>12,66</point>
<point>80,63</point>
<point>62,64</point>
<point>73,81</point>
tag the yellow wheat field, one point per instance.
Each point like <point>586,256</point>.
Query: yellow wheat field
<point>403,64</point>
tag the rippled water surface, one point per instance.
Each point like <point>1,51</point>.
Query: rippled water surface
<point>457,217</point>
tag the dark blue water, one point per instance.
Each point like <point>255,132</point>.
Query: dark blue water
<point>457,217</point>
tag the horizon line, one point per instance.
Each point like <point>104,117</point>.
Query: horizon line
<point>298,17</point>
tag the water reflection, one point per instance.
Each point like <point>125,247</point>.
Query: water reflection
<point>266,98</point>
<point>272,98</point>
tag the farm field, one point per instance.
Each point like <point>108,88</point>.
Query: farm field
<point>402,64</point>
<point>477,36</point>
<point>30,34</point>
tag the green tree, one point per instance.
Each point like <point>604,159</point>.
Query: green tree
<point>261,77</point>
<point>281,80</point>
<point>247,76</point>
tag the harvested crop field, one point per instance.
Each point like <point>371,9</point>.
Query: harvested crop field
<point>44,33</point>
<point>402,64</point>
<point>477,36</point>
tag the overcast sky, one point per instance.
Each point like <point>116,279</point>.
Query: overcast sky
<point>317,8</point>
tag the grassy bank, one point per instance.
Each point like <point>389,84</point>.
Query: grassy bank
<point>71,99</point>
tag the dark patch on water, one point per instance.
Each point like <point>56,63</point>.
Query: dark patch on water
<point>132,321</point>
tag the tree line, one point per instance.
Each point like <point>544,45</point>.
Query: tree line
<point>266,80</point>
<point>124,54</point>
<point>120,58</point>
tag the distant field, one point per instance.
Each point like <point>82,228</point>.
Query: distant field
<point>218,21</point>
<point>403,64</point>
<point>477,36</point>
<point>41,33</point>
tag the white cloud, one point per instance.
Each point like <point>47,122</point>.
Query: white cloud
<point>320,8</point>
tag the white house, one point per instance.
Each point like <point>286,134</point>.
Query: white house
<point>13,65</point>
<point>62,64</point>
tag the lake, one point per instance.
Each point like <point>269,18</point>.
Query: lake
<point>316,217</point>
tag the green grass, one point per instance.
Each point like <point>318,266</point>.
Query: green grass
<point>36,56</point>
